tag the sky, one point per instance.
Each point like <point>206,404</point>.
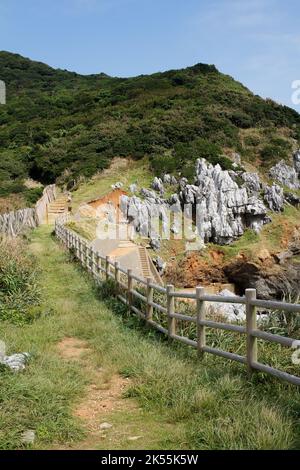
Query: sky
<point>255,41</point>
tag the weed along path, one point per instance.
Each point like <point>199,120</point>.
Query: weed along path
<point>97,379</point>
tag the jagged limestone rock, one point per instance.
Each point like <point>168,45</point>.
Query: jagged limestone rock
<point>273,196</point>
<point>182,183</point>
<point>237,159</point>
<point>296,159</point>
<point>251,182</point>
<point>16,222</point>
<point>285,175</point>
<point>160,264</point>
<point>147,193</point>
<point>157,185</point>
<point>117,185</point>
<point>292,198</point>
<point>169,179</point>
<point>133,188</point>
<point>155,244</point>
<point>223,209</point>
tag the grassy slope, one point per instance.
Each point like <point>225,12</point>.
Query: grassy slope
<point>58,124</point>
<point>125,171</point>
<point>183,403</point>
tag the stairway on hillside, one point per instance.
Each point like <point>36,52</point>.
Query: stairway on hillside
<point>56,208</point>
<point>145,264</point>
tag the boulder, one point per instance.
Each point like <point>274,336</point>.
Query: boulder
<point>231,312</point>
<point>274,197</point>
<point>223,209</point>
<point>237,159</point>
<point>159,264</point>
<point>251,182</point>
<point>285,175</point>
<point>16,362</point>
<point>117,185</point>
<point>296,160</point>
<point>157,185</point>
<point>155,244</point>
<point>292,198</point>
<point>133,188</point>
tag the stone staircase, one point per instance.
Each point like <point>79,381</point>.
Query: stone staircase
<point>144,260</point>
<point>56,208</point>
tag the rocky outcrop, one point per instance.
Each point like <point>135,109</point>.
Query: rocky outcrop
<point>276,277</point>
<point>160,264</point>
<point>223,209</point>
<point>292,199</point>
<point>274,197</point>
<point>222,204</point>
<point>14,223</point>
<point>157,185</point>
<point>296,160</point>
<point>169,179</point>
<point>251,182</point>
<point>117,185</point>
<point>285,175</point>
<point>15,362</point>
<point>144,214</point>
<point>133,188</point>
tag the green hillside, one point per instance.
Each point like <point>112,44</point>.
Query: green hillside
<point>58,124</point>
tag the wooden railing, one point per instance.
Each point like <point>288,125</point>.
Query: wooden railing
<point>103,268</point>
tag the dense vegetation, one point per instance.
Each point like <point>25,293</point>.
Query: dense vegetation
<point>59,124</point>
<point>19,291</point>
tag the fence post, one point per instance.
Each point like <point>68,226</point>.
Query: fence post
<point>77,247</point>
<point>129,288</point>
<point>171,311</point>
<point>149,312</point>
<point>99,266</point>
<point>106,268</point>
<point>93,261</point>
<point>201,313</point>
<point>117,276</point>
<point>251,324</point>
<point>81,253</point>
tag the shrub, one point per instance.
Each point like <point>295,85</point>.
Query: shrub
<point>19,291</point>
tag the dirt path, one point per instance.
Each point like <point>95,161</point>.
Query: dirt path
<point>85,336</point>
<point>103,396</point>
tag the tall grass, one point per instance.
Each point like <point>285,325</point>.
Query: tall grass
<point>19,290</point>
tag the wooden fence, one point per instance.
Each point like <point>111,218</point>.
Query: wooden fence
<point>103,268</point>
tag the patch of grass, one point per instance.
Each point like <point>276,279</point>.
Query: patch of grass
<point>19,290</point>
<point>125,171</point>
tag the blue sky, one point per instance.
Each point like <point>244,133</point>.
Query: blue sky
<point>255,41</point>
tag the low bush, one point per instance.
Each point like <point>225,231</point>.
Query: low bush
<point>19,290</point>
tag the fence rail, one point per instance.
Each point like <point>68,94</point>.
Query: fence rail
<point>103,268</point>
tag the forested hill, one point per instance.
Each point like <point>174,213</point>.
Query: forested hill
<point>59,124</point>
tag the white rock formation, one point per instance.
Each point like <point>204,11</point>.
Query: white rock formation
<point>223,209</point>
<point>285,175</point>
<point>274,197</point>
